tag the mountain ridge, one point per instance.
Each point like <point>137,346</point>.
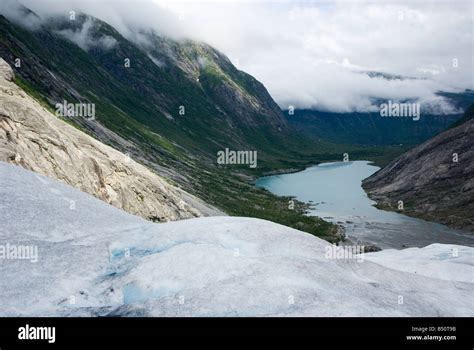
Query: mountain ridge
<point>433,180</point>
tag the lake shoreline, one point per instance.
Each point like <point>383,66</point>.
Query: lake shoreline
<point>334,193</point>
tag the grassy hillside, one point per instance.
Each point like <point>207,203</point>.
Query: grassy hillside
<point>139,106</point>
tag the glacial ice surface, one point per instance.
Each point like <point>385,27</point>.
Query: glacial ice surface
<point>94,259</point>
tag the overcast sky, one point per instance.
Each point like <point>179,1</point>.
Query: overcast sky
<point>310,54</point>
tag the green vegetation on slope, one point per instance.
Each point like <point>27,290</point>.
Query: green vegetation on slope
<point>224,108</point>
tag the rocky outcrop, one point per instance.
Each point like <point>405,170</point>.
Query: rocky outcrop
<point>434,180</point>
<point>34,138</point>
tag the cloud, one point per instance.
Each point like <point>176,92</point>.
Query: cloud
<point>14,11</point>
<point>311,54</point>
<point>83,37</point>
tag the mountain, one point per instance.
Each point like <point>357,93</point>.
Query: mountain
<point>171,109</point>
<point>386,76</point>
<point>97,260</point>
<point>435,180</point>
<point>466,117</point>
<point>369,128</point>
<point>37,140</point>
<point>177,100</point>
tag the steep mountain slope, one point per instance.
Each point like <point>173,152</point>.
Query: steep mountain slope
<point>138,110</point>
<point>171,112</point>
<point>237,93</point>
<point>435,180</point>
<point>37,140</point>
<point>96,260</point>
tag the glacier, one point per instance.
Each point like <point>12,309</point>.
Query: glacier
<point>96,260</point>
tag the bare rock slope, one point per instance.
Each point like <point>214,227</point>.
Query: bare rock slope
<point>31,136</point>
<point>435,180</point>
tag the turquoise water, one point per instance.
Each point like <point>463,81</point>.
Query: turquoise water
<point>336,192</point>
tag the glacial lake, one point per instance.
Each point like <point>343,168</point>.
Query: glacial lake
<point>335,191</point>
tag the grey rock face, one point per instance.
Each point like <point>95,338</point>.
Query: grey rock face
<point>435,180</point>
<point>6,72</point>
<point>34,138</point>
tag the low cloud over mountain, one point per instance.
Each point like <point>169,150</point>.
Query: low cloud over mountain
<point>310,55</point>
